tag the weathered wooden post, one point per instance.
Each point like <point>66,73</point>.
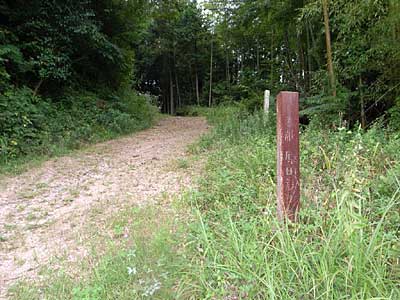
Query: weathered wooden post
<point>266,101</point>
<point>288,163</point>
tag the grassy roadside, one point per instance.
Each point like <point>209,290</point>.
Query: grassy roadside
<point>222,241</point>
<point>131,256</point>
<point>23,163</point>
<point>33,128</point>
<point>346,245</point>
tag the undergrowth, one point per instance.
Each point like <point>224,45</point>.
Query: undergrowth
<point>33,128</point>
<point>346,244</point>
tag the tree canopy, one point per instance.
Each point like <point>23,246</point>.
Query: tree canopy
<point>342,56</point>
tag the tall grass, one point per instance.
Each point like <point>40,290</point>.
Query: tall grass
<point>346,245</point>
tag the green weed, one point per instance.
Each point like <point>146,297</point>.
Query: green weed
<point>32,128</point>
<point>141,261</point>
<point>346,244</point>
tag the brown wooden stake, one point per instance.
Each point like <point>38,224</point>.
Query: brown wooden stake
<point>288,155</point>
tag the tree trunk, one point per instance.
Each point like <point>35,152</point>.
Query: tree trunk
<point>192,84</point>
<point>316,57</point>
<point>171,91</point>
<point>329,48</point>
<point>272,60</point>
<point>197,89</point>
<point>292,72</point>
<point>211,74</point>
<point>176,79</point>
<point>228,74</point>
<point>196,74</point>
<point>164,82</point>
<point>37,87</point>
<point>177,90</point>
<point>394,10</point>
<point>258,57</point>
<point>302,63</point>
<point>363,118</point>
<point>309,68</point>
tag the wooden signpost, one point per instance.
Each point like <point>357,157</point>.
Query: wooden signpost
<point>288,163</point>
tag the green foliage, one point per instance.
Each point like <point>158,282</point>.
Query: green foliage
<point>280,45</point>
<point>164,48</point>
<point>9,54</point>
<point>345,244</point>
<point>326,110</point>
<point>66,68</point>
<point>366,48</point>
<point>129,112</point>
<point>395,115</point>
<point>63,40</point>
<point>32,125</point>
<point>22,119</point>
<point>175,52</point>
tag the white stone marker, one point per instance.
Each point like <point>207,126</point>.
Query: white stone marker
<point>266,101</point>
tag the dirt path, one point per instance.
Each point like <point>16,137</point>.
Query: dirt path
<point>42,210</point>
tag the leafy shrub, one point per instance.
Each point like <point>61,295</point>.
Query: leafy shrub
<point>255,102</point>
<point>30,124</point>
<point>22,121</point>
<point>394,113</point>
<point>138,106</point>
<point>326,110</point>
<point>117,121</point>
<point>9,54</point>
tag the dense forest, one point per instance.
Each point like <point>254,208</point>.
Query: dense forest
<point>187,209</point>
<point>73,72</point>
